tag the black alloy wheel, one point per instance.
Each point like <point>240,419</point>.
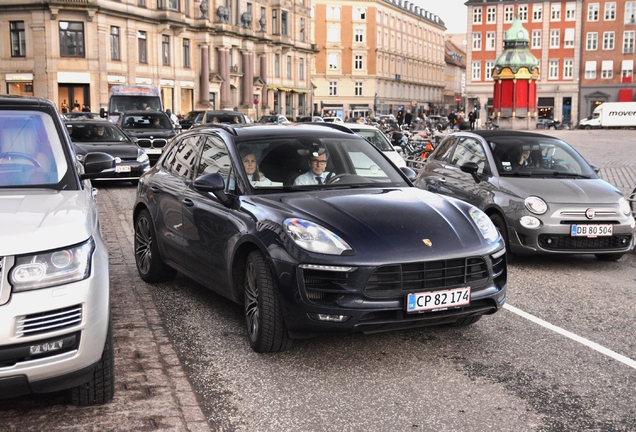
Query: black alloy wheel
<point>147,257</point>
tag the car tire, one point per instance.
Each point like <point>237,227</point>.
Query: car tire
<point>500,224</point>
<point>101,387</point>
<point>609,256</point>
<point>466,321</point>
<point>552,127</point>
<point>263,311</point>
<point>150,266</point>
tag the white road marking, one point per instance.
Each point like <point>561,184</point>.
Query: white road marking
<point>621,358</point>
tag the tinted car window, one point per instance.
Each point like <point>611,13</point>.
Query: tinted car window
<point>96,132</point>
<point>375,137</point>
<point>30,150</point>
<point>443,154</point>
<point>181,157</point>
<point>147,121</point>
<point>469,150</point>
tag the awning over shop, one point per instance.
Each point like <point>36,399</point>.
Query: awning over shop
<point>545,102</point>
<point>288,89</point>
<point>625,95</point>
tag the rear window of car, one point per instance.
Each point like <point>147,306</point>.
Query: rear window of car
<point>31,152</point>
<point>224,118</point>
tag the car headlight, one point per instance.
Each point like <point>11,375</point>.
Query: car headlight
<point>314,238</point>
<point>624,206</point>
<point>52,268</point>
<point>485,225</point>
<point>142,157</point>
<point>536,205</point>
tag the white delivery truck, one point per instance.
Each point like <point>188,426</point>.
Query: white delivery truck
<point>611,115</point>
<point>131,98</point>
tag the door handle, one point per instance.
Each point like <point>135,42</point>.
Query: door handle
<point>442,180</point>
<point>187,202</point>
<point>155,189</point>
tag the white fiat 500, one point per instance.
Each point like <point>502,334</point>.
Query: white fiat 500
<point>55,329</point>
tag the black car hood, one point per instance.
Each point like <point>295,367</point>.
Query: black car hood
<point>562,190</point>
<point>388,224</point>
<point>121,150</point>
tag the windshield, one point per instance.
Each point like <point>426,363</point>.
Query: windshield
<point>120,104</point>
<point>91,132</point>
<point>537,156</point>
<point>375,137</point>
<point>30,150</point>
<point>299,162</point>
<point>146,121</point>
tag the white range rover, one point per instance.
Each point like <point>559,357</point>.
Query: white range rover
<point>55,328</point>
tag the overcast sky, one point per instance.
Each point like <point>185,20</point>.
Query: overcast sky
<point>452,12</point>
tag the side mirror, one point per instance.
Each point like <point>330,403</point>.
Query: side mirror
<point>471,168</point>
<point>213,183</point>
<point>103,113</point>
<point>409,173</point>
<point>595,168</point>
<point>97,164</point>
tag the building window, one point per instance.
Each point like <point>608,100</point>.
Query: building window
<point>301,69</point>
<point>274,21</point>
<point>142,47</point>
<point>289,67</point>
<point>627,70</point>
<point>477,15</point>
<point>592,12</point>
<point>537,12</point>
<point>18,39</point>
<point>165,50</point>
<point>283,23</point>
<point>509,14</point>
<point>333,12</point>
<point>358,88</point>
<point>114,43</point>
<point>71,39</point>
<point>553,71</point>
<point>555,12</point>
<point>536,39</point>
<point>607,69</point>
<point>490,65</point>
<point>610,11</point>
<point>333,61</point>
<point>490,41</point>
<point>522,13</point>
<point>568,41</point>
<point>360,14</point>
<point>608,40</point>
<point>630,12</point>
<point>357,62</point>
<point>476,41</point>
<point>359,35</point>
<point>141,3</point>
<point>568,69</point>
<point>276,65</point>
<point>555,37</point>
<point>333,88</point>
<point>491,15</point>
<point>186,53</point>
<point>628,42</point>
<point>303,30</point>
<point>333,33</point>
<point>476,71</point>
<point>590,70</point>
<point>570,11</point>
<point>591,43</point>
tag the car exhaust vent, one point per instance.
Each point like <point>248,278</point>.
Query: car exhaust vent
<point>50,321</point>
<point>423,276</point>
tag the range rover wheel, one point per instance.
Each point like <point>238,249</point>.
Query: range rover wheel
<point>263,311</point>
<point>147,257</point>
<point>101,387</point>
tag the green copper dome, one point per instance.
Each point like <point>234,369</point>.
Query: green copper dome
<point>516,53</point>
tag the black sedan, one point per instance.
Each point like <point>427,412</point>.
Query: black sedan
<point>313,230</point>
<point>546,123</point>
<point>150,130</point>
<point>103,136</point>
<point>539,192</point>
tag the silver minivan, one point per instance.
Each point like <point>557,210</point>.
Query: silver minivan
<point>55,326</point>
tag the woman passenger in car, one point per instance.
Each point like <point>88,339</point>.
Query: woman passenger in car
<point>254,175</point>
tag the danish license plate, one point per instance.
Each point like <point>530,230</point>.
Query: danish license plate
<point>153,151</point>
<point>437,300</point>
<point>592,230</point>
<point>122,168</point>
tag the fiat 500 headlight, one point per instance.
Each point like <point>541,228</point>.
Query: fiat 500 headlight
<point>485,225</point>
<point>536,205</point>
<point>315,238</point>
<point>624,206</point>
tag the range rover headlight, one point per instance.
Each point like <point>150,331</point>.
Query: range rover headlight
<point>485,225</point>
<point>315,238</point>
<point>52,268</point>
<point>536,205</point>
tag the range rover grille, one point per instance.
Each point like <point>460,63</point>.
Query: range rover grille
<point>49,321</point>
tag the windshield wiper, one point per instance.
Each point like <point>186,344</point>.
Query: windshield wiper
<point>568,174</point>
